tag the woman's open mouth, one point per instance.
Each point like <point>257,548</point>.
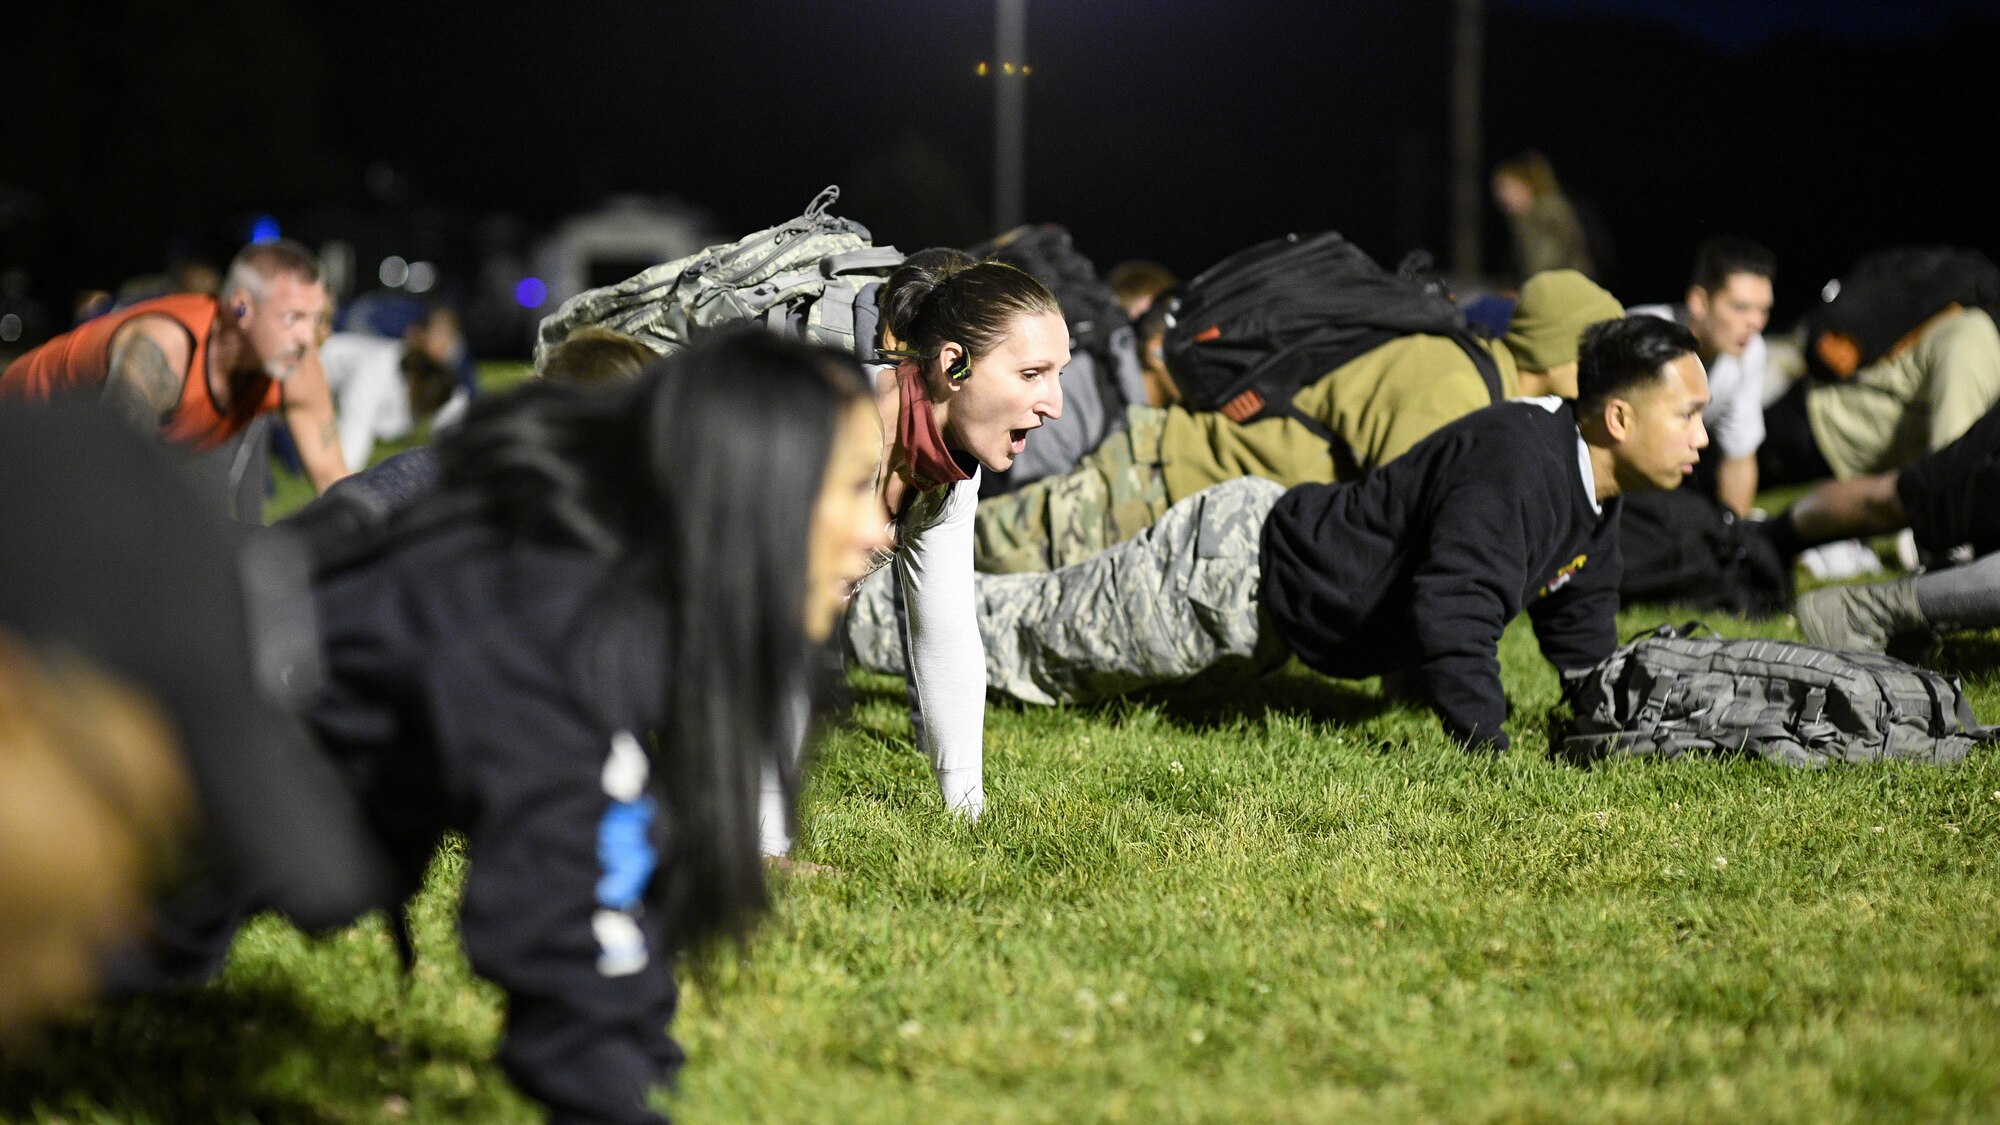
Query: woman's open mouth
<point>1017,441</point>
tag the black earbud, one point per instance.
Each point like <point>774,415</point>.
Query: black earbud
<point>958,371</point>
<point>242,311</point>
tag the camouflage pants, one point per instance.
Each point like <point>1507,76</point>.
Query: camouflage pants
<point>1179,598</point>
<point>1112,494</point>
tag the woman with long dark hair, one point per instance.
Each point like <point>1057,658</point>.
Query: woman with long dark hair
<point>979,350</point>
<point>572,654</point>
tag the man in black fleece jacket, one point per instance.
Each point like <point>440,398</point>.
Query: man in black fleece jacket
<point>1416,567</point>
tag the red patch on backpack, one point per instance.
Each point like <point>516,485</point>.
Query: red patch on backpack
<point>1243,407</point>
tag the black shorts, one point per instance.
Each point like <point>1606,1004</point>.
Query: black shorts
<point>1952,496</point>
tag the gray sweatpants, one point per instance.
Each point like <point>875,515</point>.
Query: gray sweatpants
<point>1178,599</point>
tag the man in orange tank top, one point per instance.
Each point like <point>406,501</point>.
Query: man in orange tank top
<point>197,370</point>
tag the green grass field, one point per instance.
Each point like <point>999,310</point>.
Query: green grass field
<point>1280,900</point>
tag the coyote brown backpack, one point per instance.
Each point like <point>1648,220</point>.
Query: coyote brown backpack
<point>1259,325</point>
<point>814,277</point>
<point>1668,693</point>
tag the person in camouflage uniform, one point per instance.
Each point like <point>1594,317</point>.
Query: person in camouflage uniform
<point>1178,598</point>
<point>1116,492</point>
<point>1416,568</point>
<point>1379,404</point>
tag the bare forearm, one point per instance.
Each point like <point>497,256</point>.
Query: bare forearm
<point>1847,509</point>
<point>309,415</point>
<point>1736,483</point>
<point>318,440</point>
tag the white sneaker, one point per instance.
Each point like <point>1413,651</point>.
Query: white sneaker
<point>1906,551</point>
<point>1849,558</point>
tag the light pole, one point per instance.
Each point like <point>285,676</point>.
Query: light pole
<point>1010,111</point>
<point>1468,51</point>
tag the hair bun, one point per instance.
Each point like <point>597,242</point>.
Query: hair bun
<point>941,295</point>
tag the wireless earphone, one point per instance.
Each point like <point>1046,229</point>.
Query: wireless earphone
<point>959,371</point>
<point>242,310</point>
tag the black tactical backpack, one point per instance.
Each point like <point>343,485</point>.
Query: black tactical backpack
<point>1668,693</point>
<point>1683,547</point>
<point>1256,327</point>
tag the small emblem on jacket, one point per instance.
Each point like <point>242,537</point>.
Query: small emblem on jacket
<point>1563,576</point>
<point>621,944</point>
<point>626,857</point>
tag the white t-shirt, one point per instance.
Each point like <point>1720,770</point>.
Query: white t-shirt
<point>1735,414</point>
<point>370,401</point>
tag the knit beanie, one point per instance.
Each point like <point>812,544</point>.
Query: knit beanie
<point>1555,307</point>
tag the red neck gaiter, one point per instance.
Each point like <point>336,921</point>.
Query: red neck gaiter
<point>924,454</point>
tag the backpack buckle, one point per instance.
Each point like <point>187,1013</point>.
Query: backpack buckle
<point>1813,706</point>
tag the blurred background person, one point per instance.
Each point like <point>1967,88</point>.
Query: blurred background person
<point>384,388</point>
<point>1727,305</point>
<point>1137,281</point>
<point>594,356</point>
<point>392,315</point>
<point>1150,327</point>
<point>356,509</point>
<point>1903,359</point>
<point>1547,233</point>
<point>198,370</point>
<point>143,731</point>
<point>24,320</point>
<point>93,800</point>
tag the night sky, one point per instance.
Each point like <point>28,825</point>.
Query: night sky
<point>1178,131</point>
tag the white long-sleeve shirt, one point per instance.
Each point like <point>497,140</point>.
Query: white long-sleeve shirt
<point>943,649</point>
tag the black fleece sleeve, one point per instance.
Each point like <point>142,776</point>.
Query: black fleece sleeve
<point>1577,626</point>
<point>590,1044</point>
<point>1476,554</point>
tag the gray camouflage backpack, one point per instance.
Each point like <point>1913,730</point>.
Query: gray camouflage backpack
<point>814,277</point>
<point>1668,693</point>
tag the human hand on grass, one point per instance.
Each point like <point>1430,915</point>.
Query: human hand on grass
<point>963,790</point>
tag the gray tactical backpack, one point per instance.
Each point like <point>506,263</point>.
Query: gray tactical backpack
<point>814,277</point>
<point>1668,693</point>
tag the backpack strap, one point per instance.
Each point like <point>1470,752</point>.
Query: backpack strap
<point>1653,708</point>
<point>1671,632</point>
<point>1250,404</point>
<point>1343,454</point>
<point>1489,371</point>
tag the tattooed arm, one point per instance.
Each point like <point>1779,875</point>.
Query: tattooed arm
<point>308,410</point>
<point>149,361</point>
